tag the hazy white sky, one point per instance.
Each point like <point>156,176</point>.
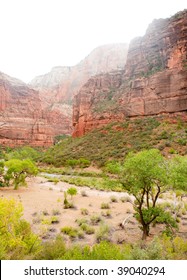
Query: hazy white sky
<point>39,34</point>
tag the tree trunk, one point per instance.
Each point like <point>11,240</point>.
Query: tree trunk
<point>145,232</point>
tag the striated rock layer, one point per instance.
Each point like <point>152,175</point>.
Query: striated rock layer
<point>22,120</point>
<point>57,88</point>
<point>36,116</point>
<point>153,82</point>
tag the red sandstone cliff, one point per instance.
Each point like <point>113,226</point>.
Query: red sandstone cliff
<point>36,116</point>
<point>154,80</point>
<point>22,120</point>
<point>57,88</point>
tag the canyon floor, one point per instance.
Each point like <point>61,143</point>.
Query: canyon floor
<point>43,200</point>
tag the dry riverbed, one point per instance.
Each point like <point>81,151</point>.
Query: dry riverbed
<point>43,200</point>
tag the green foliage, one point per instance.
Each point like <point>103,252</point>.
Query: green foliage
<point>103,233</point>
<point>84,211</point>
<point>103,144</point>
<point>145,176</point>
<point>19,170</point>
<point>67,204</point>
<point>95,219</point>
<point>113,167</point>
<point>16,236</point>
<point>87,228</point>
<point>105,205</point>
<point>70,231</point>
<point>82,163</point>
<point>52,250</point>
<point>24,153</point>
<point>72,192</point>
<point>97,183</point>
<point>178,172</point>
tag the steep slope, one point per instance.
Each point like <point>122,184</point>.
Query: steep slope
<point>63,82</point>
<point>153,82</point>
<point>57,88</point>
<point>36,116</point>
<point>22,120</point>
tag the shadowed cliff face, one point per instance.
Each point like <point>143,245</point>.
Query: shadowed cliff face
<point>153,82</point>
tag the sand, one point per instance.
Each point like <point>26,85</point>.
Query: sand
<point>41,199</point>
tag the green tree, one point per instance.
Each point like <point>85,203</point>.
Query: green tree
<point>178,173</point>
<point>19,170</point>
<point>16,236</point>
<point>72,192</point>
<point>145,176</point>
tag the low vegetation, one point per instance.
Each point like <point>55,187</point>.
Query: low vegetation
<point>114,141</point>
<point>145,158</point>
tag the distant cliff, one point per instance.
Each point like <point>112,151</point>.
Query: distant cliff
<point>34,114</point>
<point>153,82</point>
<point>22,120</point>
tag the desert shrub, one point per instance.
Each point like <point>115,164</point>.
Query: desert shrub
<point>172,151</point>
<point>84,211</point>
<point>105,205</point>
<point>182,141</point>
<point>87,228</point>
<point>113,199</point>
<point>152,251</point>
<point>95,219</point>
<point>45,213</point>
<point>103,233</point>
<point>72,162</point>
<point>55,212</point>
<point>106,214</point>
<point>70,231</point>
<point>46,221</point>
<point>83,162</point>
<point>160,248</point>
<point>54,220</point>
<point>53,180</point>
<point>81,221</point>
<point>52,250</point>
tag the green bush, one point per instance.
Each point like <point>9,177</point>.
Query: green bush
<point>72,192</point>
<point>17,239</point>
<point>105,205</point>
<point>103,233</point>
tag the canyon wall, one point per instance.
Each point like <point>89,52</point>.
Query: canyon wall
<point>153,82</point>
<point>22,120</point>
<point>57,88</point>
<point>34,114</point>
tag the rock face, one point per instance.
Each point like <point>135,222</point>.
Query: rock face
<point>62,83</point>
<point>153,82</point>
<point>22,120</point>
<point>34,114</point>
<point>57,88</point>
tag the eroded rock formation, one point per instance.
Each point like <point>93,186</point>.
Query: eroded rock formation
<point>153,82</point>
<point>22,120</point>
<point>36,116</point>
<point>57,88</point>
